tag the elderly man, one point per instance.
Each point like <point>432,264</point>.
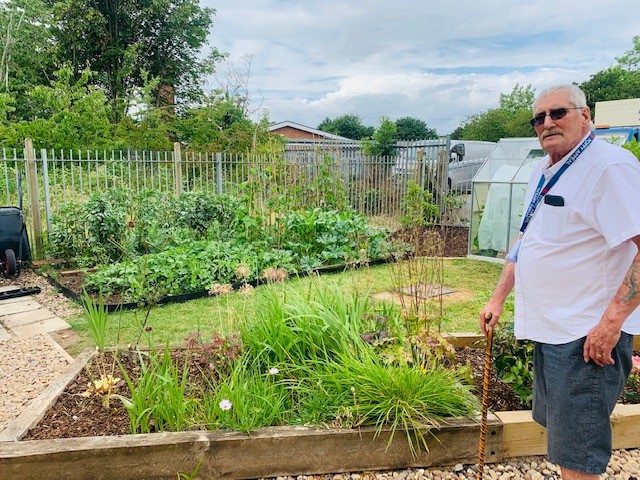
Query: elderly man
<point>576,269</point>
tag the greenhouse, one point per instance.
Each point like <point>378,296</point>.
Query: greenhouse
<point>497,196</point>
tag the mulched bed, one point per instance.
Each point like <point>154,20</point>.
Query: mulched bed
<point>73,415</point>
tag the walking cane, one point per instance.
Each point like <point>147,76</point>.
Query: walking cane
<point>485,399</point>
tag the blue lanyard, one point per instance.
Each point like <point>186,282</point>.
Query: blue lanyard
<point>541,192</point>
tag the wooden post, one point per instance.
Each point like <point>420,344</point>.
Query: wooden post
<point>34,197</point>
<point>177,168</point>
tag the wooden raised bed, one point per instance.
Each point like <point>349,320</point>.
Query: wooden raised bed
<point>275,451</point>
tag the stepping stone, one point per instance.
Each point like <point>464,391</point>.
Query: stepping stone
<point>44,326</point>
<point>24,305</point>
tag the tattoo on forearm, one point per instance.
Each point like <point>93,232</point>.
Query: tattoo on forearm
<point>632,284</point>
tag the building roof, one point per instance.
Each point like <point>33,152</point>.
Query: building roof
<point>303,128</point>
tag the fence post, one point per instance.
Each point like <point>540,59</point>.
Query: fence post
<point>177,168</point>
<point>219,172</point>
<point>34,197</point>
<point>47,196</point>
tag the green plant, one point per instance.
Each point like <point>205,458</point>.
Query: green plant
<point>159,398</point>
<point>513,361</point>
<point>632,390</point>
<point>295,328</point>
<point>634,147</point>
<point>418,207</point>
<point>396,396</point>
<point>194,474</point>
<point>97,316</point>
<point>247,399</point>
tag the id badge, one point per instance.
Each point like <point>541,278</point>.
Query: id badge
<point>512,256</point>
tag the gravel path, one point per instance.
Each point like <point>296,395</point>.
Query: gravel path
<point>27,366</point>
<point>624,465</point>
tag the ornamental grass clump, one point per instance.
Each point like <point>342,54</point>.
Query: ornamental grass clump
<point>364,391</point>
<point>335,377</point>
<point>296,328</point>
<point>303,361</point>
<point>245,400</point>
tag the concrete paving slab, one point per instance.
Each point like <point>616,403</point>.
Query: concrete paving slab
<point>44,326</point>
<point>25,318</point>
<point>24,305</point>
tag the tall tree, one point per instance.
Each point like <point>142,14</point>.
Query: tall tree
<point>383,139</point>
<point>617,82</point>
<point>410,128</point>
<point>26,57</point>
<point>510,119</point>
<point>349,126</point>
<point>520,98</point>
<point>122,39</point>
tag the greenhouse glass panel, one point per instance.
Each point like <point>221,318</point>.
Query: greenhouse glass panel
<point>497,197</point>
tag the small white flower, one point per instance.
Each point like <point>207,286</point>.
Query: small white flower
<point>274,371</point>
<point>75,418</point>
<point>225,404</point>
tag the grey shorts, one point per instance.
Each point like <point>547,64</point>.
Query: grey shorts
<point>574,401</point>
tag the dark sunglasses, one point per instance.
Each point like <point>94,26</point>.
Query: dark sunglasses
<point>555,114</point>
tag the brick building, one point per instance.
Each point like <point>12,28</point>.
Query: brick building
<point>295,131</point>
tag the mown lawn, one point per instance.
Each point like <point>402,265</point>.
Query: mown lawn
<point>472,280</point>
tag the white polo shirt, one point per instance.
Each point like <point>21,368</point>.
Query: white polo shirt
<point>573,258</point>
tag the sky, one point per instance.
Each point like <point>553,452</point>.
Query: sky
<point>437,61</point>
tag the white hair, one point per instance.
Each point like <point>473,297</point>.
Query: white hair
<point>576,95</point>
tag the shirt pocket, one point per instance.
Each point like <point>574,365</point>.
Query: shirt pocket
<point>553,222</point>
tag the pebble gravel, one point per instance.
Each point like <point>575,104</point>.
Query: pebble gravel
<point>27,367</point>
<point>624,465</point>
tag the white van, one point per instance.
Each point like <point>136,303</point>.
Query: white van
<point>465,159</point>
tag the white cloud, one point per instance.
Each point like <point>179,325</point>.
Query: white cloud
<point>440,63</point>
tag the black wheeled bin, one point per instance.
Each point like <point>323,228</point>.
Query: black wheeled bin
<point>14,244</point>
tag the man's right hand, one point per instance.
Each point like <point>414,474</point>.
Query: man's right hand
<point>489,316</point>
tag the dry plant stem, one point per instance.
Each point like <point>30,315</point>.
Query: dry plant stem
<point>485,401</point>
<point>423,273</point>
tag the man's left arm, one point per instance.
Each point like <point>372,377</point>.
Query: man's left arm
<point>603,337</point>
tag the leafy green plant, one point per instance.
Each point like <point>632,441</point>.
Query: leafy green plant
<point>513,361</point>
<point>204,211</point>
<point>418,206</point>
<point>633,147</point>
<point>326,237</point>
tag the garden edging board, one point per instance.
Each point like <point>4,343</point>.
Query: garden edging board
<point>269,452</point>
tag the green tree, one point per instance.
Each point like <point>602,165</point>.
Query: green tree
<point>72,114</point>
<point>410,128</point>
<point>120,40</point>
<point>26,52</point>
<point>617,82</point>
<point>383,140</point>
<point>520,98</point>
<point>349,126</point>
<point>510,119</point>
<point>219,124</point>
